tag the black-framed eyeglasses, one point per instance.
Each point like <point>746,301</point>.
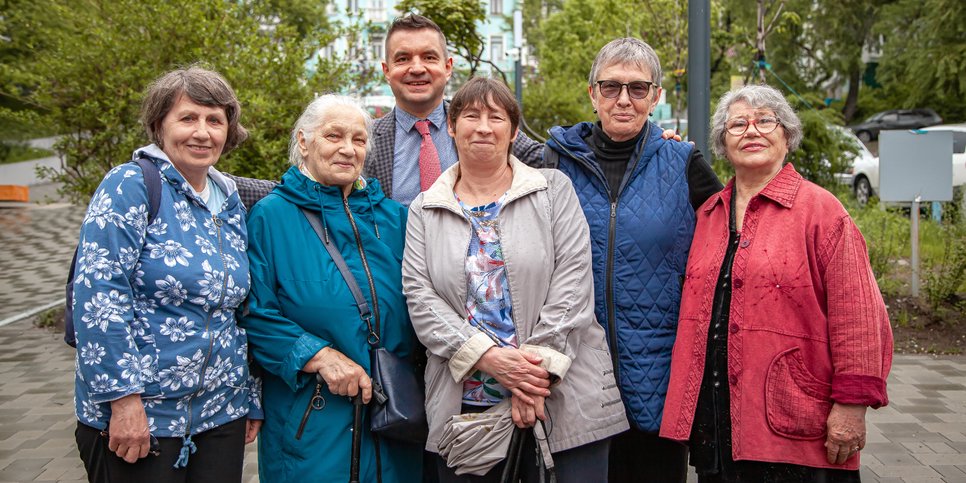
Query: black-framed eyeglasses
<point>635,90</point>
<point>764,125</point>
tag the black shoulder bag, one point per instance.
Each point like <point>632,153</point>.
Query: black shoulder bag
<point>399,411</point>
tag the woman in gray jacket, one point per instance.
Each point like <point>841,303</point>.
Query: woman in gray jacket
<point>497,277</point>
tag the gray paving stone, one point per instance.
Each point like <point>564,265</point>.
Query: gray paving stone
<point>920,437</point>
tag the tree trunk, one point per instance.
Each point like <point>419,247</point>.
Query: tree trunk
<point>852,98</point>
<point>760,41</point>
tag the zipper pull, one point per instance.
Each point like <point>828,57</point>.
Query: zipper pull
<point>613,210</point>
<point>317,403</point>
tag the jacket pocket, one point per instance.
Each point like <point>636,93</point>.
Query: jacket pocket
<point>591,388</point>
<point>797,404</point>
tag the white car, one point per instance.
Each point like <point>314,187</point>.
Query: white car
<point>863,175</point>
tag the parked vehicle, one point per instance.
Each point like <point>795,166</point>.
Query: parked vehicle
<point>869,129</point>
<point>863,175</point>
<point>863,172</point>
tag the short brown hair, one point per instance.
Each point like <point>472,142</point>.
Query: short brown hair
<point>480,90</point>
<point>414,21</point>
<point>204,87</point>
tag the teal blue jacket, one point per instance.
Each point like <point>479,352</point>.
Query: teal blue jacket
<point>299,304</point>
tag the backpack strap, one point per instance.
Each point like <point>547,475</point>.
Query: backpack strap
<point>152,181</point>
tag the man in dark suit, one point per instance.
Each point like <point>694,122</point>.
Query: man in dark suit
<point>417,67</point>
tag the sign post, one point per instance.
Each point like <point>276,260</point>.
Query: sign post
<point>915,166</point>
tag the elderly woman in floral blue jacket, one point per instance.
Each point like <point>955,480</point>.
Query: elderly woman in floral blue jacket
<point>162,372</point>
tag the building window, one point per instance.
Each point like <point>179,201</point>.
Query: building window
<point>376,44</point>
<point>497,53</point>
<point>496,7</point>
<point>352,6</point>
<point>377,11</point>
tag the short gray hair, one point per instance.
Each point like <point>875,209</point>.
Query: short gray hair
<point>627,50</point>
<point>315,115</point>
<point>758,97</point>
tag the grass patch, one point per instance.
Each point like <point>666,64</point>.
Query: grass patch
<point>16,152</point>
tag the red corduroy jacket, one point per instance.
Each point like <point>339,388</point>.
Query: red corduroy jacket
<point>808,326</point>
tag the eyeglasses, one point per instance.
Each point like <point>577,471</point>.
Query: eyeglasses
<point>612,89</point>
<point>764,125</point>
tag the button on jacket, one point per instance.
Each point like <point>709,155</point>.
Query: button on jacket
<point>546,249</point>
<point>807,325</point>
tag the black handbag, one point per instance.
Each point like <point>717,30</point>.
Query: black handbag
<point>397,409</point>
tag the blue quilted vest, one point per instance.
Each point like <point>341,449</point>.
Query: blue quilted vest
<point>640,248</point>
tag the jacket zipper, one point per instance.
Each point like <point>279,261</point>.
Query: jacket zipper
<point>611,235</point>
<point>211,338</point>
<point>375,311</point>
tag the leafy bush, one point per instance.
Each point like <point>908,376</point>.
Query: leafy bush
<point>84,65</point>
<point>944,277</point>
<point>886,236</point>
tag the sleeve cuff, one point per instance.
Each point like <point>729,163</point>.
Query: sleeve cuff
<point>859,389</point>
<point>556,363</point>
<point>466,357</point>
<point>106,397</point>
<point>304,349</point>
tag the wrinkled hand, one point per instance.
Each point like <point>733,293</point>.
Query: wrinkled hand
<point>517,371</point>
<point>252,426</point>
<point>846,432</point>
<point>526,415</point>
<point>130,438</point>
<point>343,376</point>
<point>671,134</point>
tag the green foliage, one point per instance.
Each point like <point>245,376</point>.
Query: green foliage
<point>825,148</point>
<point>944,276</point>
<point>886,236</point>
<point>923,60</point>
<point>567,41</point>
<point>457,19</point>
<point>92,60</point>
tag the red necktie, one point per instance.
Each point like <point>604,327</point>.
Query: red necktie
<point>429,168</point>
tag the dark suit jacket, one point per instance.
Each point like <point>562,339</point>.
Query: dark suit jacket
<point>379,158</point>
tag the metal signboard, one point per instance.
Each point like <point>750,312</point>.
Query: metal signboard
<point>915,164</point>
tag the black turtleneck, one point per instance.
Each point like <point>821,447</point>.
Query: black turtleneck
<point>613,158</point>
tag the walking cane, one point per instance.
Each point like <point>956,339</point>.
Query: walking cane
<point>356,439</point>
<point>511,469</point>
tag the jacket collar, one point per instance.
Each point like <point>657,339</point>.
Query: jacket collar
<point>526,180</point>
<point>782,189</point>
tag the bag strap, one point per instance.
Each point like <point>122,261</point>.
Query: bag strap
<point>350,279</point>
<point>152,180</point>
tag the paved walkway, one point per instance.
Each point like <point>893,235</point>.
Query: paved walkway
<point>919,437</point>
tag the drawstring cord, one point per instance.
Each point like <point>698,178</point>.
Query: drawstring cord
<point>187,448</point>
<point>375,223</point>
<point>325,228</point>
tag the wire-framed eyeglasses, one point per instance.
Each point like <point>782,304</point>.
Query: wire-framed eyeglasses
<point>635,90</point>
<point>764,125</point>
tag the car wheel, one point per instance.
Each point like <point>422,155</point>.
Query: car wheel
<point>864,136</point>
<point>863,190</point>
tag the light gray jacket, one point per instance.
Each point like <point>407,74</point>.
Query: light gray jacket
<point>546,249</point>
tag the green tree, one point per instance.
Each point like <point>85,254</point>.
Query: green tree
<point>87,77</point>
<point>458,20</point>
<point>923,61</point>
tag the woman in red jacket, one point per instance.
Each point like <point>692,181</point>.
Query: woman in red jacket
<point>784,340</point>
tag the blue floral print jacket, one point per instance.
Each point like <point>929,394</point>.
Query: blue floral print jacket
<point>154,306</point>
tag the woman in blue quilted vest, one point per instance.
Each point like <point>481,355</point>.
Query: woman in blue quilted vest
<point>639,193</point>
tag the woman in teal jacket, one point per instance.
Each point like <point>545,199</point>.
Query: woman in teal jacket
<point>303,322</point>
